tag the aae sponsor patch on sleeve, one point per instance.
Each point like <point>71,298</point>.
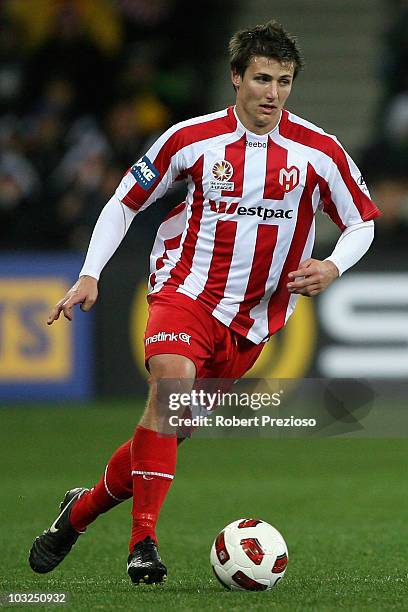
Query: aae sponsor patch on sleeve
<point>145,173</point>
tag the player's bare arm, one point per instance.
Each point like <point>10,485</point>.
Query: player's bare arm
<point>312,277</point>
<point>84,292</point>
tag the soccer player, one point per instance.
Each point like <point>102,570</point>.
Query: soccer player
<point>227,265</point>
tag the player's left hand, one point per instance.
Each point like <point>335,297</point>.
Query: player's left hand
<point>312,277</point>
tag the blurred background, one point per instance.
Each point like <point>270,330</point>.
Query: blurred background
<point>87,85</point>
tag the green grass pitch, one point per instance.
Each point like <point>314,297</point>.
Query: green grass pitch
<point>340,504</point>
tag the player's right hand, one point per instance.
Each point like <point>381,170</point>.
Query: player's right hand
<point>84,292</point>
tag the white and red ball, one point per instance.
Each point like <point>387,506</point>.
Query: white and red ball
<point>249,555</point>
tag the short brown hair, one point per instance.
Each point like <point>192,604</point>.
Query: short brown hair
<point>268,40</point>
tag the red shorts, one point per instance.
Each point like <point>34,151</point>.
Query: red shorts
<point>179,325</point>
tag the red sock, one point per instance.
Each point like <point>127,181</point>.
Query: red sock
<point>153,465</point>
<point>114,487</point>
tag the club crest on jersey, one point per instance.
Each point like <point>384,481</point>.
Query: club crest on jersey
<point>145,173</point>
<point>222,171</point>
<point>289,178</point>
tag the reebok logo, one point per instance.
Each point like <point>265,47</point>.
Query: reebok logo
<point>255,144</point>
<point>165,337</point>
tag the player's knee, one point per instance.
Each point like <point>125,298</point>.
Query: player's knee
<point>171,366</point>
<point>170,376</point>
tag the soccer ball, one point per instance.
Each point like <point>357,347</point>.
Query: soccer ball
<point>249,555</point>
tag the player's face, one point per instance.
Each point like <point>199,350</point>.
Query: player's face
<point>262,93</point>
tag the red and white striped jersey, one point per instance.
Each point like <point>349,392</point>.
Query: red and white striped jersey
<point>248,218</point>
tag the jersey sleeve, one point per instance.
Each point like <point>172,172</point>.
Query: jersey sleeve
<point>344,195</point>
<point>154,173</point>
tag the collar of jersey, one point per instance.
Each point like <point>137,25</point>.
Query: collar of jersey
<point>252,134</point>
